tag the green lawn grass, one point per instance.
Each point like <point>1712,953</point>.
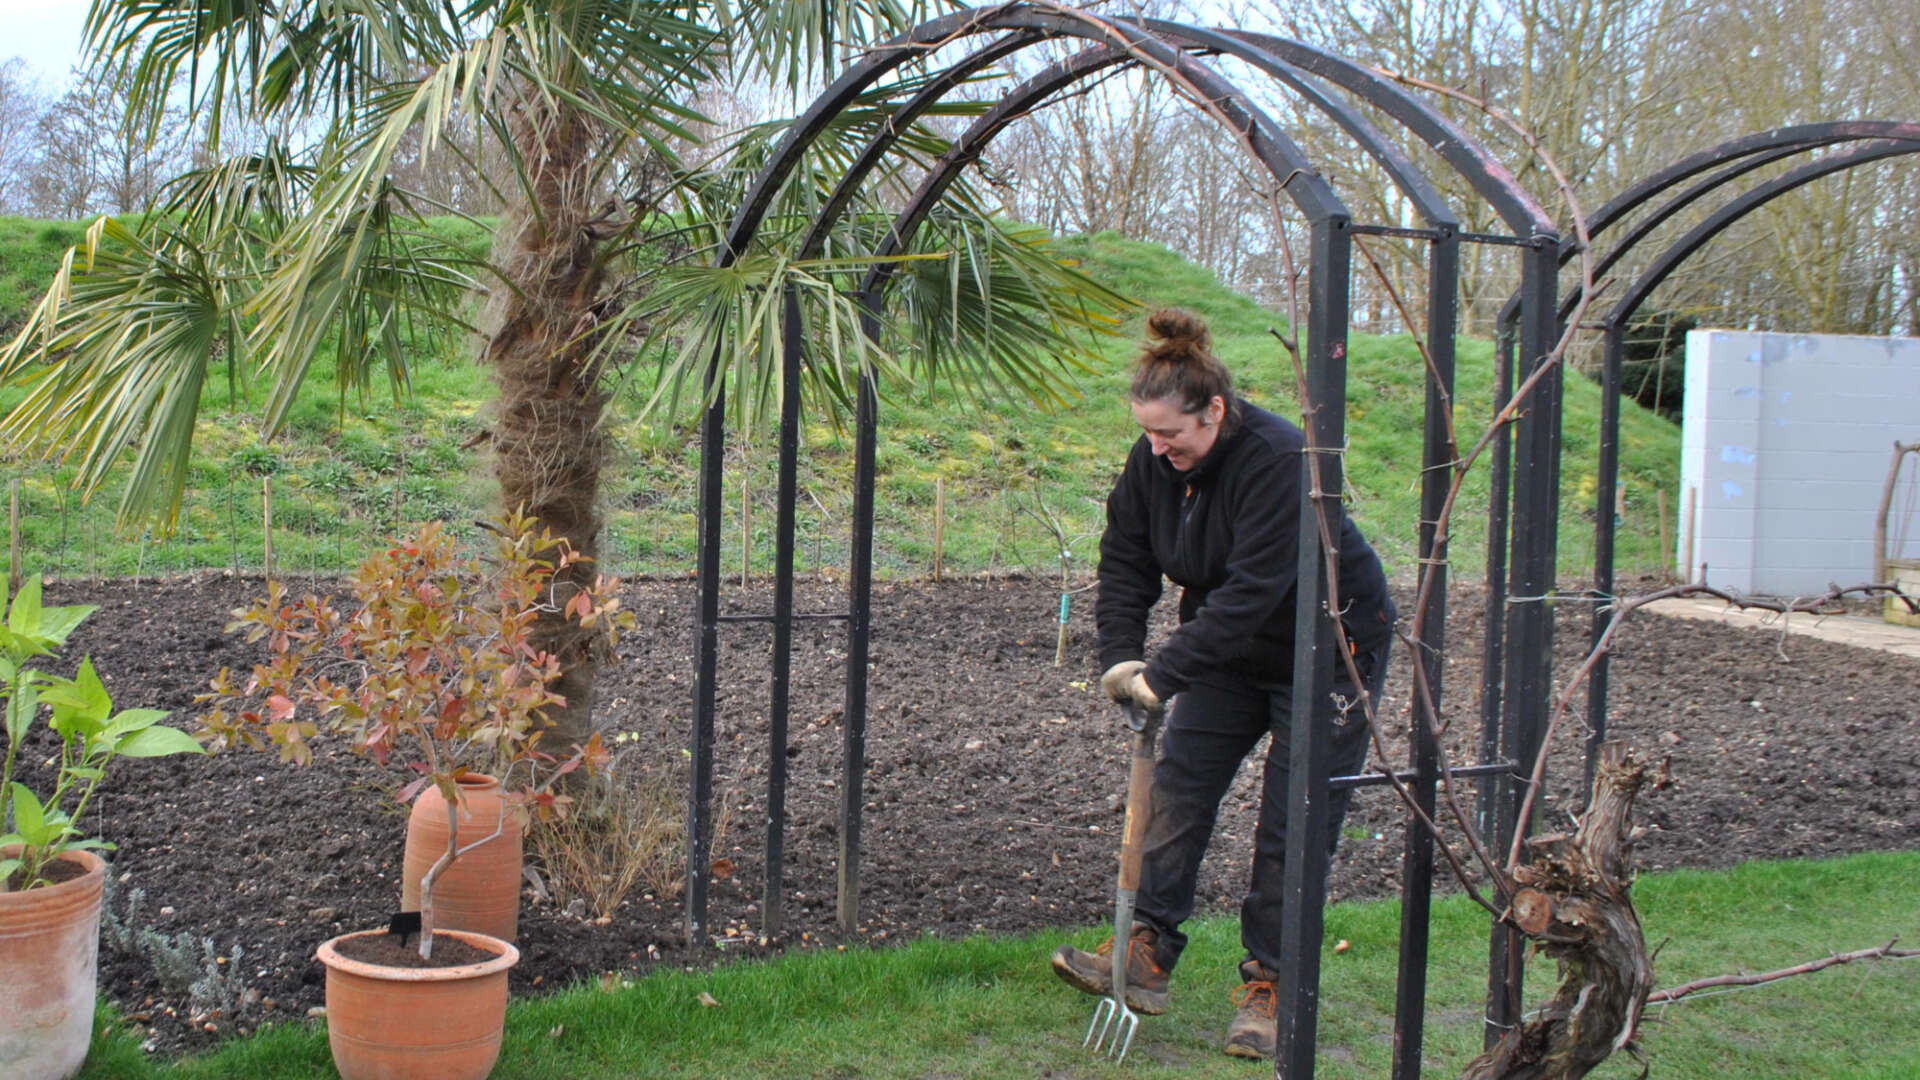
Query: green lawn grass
<point>989,1007</point>
<point>347,473</point>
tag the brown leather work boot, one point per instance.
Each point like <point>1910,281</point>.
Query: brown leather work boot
<point>1251,1034</point>
<point>1093,972</point>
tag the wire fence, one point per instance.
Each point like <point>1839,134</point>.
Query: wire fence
<point>321,520</point>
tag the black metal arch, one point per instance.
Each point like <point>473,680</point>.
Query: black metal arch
<point>1311,194</point>
<point>1274,150</point>
<point>1314,198</point>
<point>1722,164</point>
<point>1747,203</point>
<point>1886,140</point>
<point>1175,49</point>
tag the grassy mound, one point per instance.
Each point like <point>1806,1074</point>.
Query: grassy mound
<point>1016,487</point>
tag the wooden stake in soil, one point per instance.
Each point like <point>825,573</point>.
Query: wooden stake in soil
<point>13,536</point>
<point>1660,497</point>
<point>233,525</point>
<point>1686,535</point>
<point>939,522</point>
<point>746,527</point>
<point>266,525</point>
<point>60,491</point>
<point>1060,647</point>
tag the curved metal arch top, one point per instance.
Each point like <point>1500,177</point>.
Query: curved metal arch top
<point>1406,176</point>
<point>1739,157</point>
<point>1310,192</point>
<point>1797,138</point>
<point>1419,190</point>
<point>1264,136</point>
<point>890,133</point>
<point>1746,203</point>
<point>1491,180</point>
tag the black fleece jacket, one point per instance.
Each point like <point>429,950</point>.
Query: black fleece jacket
<point>1227,532</point>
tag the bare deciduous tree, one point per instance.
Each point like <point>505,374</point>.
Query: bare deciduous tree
<point>89,162</point>
<point>20,104</point>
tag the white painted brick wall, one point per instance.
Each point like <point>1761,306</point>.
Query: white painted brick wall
<point>1784,450</point>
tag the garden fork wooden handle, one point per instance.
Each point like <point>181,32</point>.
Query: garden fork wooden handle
<point>1145,726</point>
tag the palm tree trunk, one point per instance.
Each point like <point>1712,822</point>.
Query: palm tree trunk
<point>547,440</point>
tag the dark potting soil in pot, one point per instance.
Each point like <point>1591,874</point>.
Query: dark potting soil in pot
<point>53,874</point>
<point>387,951</point>
<point>993,791</point>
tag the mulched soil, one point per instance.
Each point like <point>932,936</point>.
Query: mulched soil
<point>992,793</point>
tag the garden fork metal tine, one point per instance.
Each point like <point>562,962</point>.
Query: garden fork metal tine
<point>1112,1014</point>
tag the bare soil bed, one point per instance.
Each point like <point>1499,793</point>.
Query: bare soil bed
<point>992,789</point>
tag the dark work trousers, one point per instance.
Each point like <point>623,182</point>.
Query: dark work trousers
<point>1209,732</point>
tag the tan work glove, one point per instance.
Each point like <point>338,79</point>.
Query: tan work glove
<point>1114,682</point>
<point>1127,681</point>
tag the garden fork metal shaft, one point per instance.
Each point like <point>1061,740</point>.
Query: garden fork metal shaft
<point>1112,1015</point>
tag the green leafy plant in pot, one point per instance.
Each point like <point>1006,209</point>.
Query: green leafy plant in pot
<point>435,673</point>
<point>50,878</point>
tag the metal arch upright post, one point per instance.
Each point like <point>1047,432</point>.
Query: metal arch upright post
<point>1416,861</point>
<point>1304,885</point>
<point>713,445</point>
<point>1493,642</point>
<point>779,706</point>
<point>1529,615</point>
<point>1604,533</point>
<point>853,719</point>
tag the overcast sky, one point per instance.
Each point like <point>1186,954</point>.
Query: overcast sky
<point>44,33</point>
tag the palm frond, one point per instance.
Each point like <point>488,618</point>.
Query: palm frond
<point>114,356</point>
<point>792,42</point>
<point>353,278</point>
<point>1002,315</point>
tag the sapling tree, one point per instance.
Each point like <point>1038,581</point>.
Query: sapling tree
<point>1063,543</point>
<point>436,673</point>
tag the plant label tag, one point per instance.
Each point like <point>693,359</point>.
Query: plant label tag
<point>403,925</point>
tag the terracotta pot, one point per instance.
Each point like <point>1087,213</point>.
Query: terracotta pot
<point>49,954</point>
<point>481,890</point>
<point>389,1023</point>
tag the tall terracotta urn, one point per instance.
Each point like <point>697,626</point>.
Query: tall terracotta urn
<point>49,957</point>
<point>403,1023</point>
<point>481,890</point>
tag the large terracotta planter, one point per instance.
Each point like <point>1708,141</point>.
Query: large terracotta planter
<point>481,890</point>
<point>49,956</point>
<point>388,1023</point>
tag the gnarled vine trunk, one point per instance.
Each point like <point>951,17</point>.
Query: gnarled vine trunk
<point>1574,899</point>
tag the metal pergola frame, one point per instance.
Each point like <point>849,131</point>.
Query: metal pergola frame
<point>1522,529</point>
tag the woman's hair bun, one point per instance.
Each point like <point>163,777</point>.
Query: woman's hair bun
<point>1182,333</point>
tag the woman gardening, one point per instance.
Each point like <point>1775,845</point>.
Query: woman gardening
<point>1210,498</point>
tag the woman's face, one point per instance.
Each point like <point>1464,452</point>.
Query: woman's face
<point>1183,438</point>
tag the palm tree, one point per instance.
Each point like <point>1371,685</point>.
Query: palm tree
<point>266,258</point>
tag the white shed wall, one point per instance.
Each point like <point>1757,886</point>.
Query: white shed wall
<point>1784,451</point>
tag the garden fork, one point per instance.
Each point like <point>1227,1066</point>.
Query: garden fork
<point>1112,1015</point>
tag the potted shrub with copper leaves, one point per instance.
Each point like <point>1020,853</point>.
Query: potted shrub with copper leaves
<point>434,672</point>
